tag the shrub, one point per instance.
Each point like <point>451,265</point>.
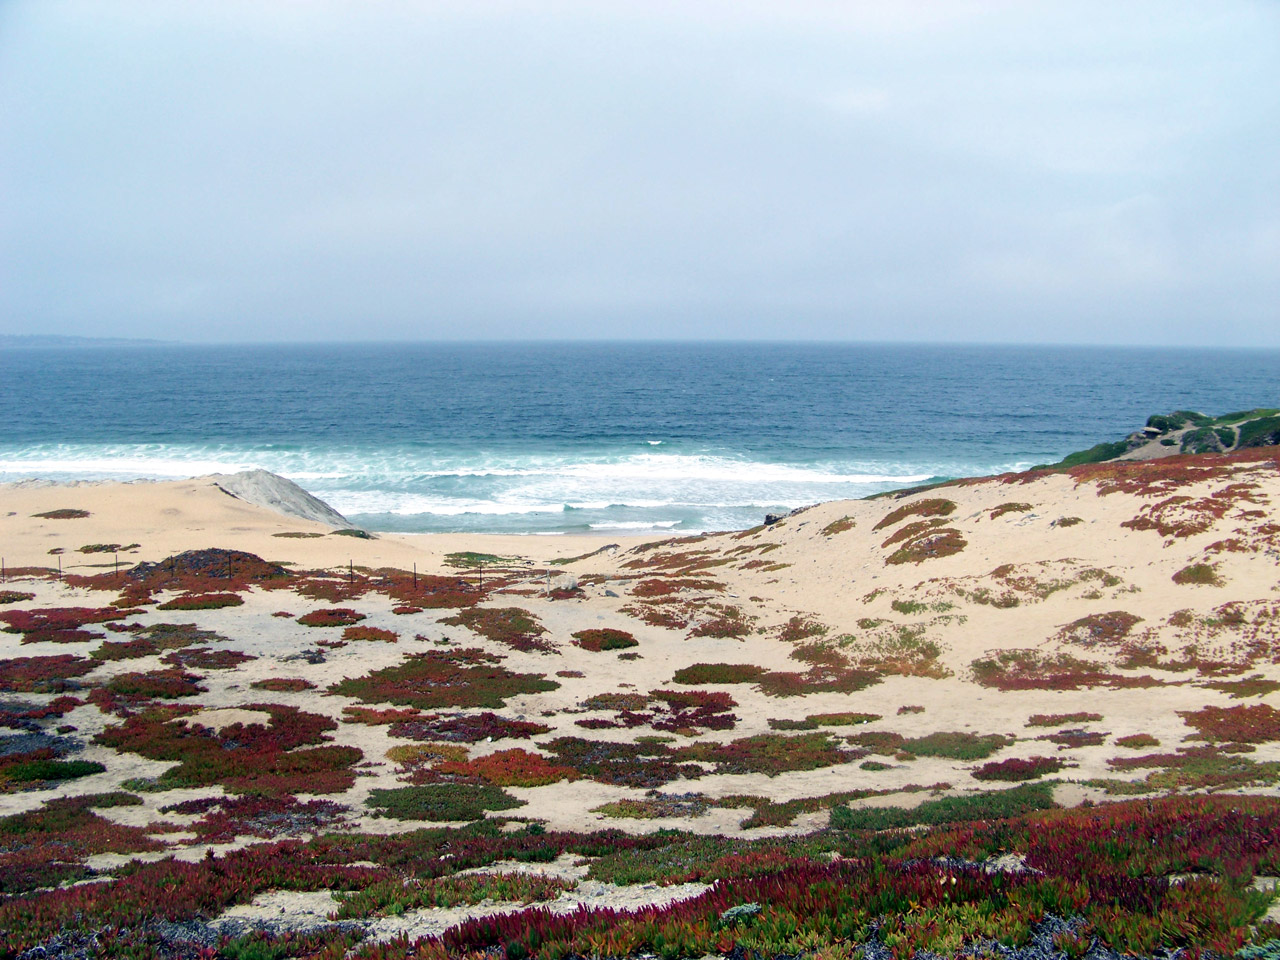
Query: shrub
<point>816,720</point>
<point>956,745</point>
<point>730,624</point>
<point>424,754</point>
<point>154,684</point>
<point>642,764</point>
<point>599,640</point>
<point>124,650</point>
<point>1254,686</point>
<point>1016,768</point>
<point>14,596</point>
<point>1029,669</point>
<point>462,678</point>
<point>51,622</point>
<point>1075,739</point>
<point>1011,507</point>
<point>441,802</point>
<point>466,728</point>
<point>1061,719</point>
<point>227,818</point>
<point>204,658</point>
<point>838,526</point>
<point>997,805</point>
<point>510,768</point>
<point>929,545</point>
<point>1137,741</point>
<point>510,626</point>
<point>370,633</point>
<point>702,673</point>
<point>934,507</point>
<point>202,601</point>
<point>374,718</point>
<point>66,513</point>
<point>1099,628</point>
<point>799,628</point>
<point>43,674</point>
<point>256,757</point>
<point>396,896</point>
<point>1200,574</point>
<point>1067,521</point>
<point>1259,723</point>
<point>37,770</point>
<point>911,708</point>
<point>770,753</point>
<point>285,685</point>
<point>333,617</point>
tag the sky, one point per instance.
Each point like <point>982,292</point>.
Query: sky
<point>279,170</point>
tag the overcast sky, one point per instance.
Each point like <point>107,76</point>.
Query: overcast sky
<point>1072,171</point>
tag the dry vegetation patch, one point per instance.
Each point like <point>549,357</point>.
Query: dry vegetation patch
<point>455,678</point>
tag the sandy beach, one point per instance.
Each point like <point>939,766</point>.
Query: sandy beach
<point>874,653</point>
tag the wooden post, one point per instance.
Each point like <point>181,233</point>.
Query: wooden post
<point>117,558</point>
<point>351,572</point>
<point>59,566</point>
<point>415,576</point>
<point>481,569</point>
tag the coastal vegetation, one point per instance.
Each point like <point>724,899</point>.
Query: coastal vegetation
<point>1070,753</point>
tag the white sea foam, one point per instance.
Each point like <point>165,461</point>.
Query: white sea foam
<point>131,467</point>
<point>512,491</point>
<point>635,525</point>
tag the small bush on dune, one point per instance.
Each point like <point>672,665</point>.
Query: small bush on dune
<point>771,753</point>
<point>1011,507</point>
<point>441,802</point>
<point>466,728</point>
<point>511,626</point>
<point>372,717</point>
<point>1014,802</point>
<point>202,601</point>
<point>43,674</point>
<point>45,770</point>
<point>1244,724</point>
<point>204,658</point>
<point>370,633</point>
<point>839,526</point>
<point>933,507</point>
<point>1137,741</point>
<point>283,685</point>
<point>277,756</point>
<point>456,678</point>
<point>154,684</point>
<point>332,617</point>
<point>702,673</point>
<point>66,513</point>
<point>1061,719</point>
<point>510,768</point>
<point>1016,768</point>
<point>602,639</point>
<point>816,720</point>
<point>1199,574</point>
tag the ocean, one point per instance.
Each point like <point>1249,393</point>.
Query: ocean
<point>609,438</point>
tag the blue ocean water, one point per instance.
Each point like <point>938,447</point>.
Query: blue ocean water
<point>612,438</point>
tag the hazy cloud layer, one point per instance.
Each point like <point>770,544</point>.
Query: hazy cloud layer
<point>1057,171</point>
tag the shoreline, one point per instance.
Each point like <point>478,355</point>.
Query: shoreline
<point>158,518</point>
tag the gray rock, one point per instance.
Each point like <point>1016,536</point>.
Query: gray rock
<point>274,492</point>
